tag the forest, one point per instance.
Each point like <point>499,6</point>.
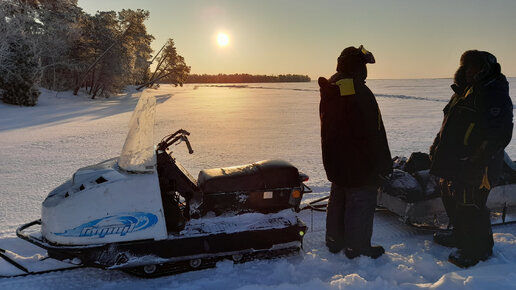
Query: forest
<point>54,44</point>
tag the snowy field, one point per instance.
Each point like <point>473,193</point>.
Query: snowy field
<point>231,125</point>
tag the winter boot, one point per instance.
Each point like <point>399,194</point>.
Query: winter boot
<point>372,252</point>
<point>446,239</point>
<point>465,259</point>
<point>333,246</point>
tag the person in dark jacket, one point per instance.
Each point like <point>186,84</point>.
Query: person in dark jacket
<point>355,154</point>
<point>467,154</point>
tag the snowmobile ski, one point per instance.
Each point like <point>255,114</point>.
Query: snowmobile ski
<point>11,261</point>
<point>10,257</point>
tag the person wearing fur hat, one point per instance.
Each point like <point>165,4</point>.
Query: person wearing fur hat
<point>355,154</point>
<point>467,154</point>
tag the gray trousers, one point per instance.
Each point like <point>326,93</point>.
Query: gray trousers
<point>349,217</point>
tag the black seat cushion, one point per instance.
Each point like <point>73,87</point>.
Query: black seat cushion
<point>262,175</point>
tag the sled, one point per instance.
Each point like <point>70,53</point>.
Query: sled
<point>425,209</point>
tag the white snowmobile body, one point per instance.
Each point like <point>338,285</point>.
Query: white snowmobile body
<point>104,204</point>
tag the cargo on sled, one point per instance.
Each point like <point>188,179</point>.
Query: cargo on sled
<point>414,194</point>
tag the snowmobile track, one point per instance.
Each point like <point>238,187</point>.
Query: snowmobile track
<point>158,270</point>
<point>165,269</point>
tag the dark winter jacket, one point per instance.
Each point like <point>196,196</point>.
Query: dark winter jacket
<point>477,126</point>
<point>354,143</point>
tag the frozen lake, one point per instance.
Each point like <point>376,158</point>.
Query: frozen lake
<point>229,125</point>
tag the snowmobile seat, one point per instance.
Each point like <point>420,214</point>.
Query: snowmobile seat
<point>262,175</point>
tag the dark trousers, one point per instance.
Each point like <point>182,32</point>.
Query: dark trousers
<point>349,217</point>
<point>466,208</point>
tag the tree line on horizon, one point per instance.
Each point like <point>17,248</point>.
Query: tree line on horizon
<point>54,44</point>
<point>245,78</point>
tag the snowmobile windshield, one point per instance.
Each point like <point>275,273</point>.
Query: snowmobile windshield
<point>138,151</point>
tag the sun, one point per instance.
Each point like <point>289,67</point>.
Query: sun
<point>222,39</point>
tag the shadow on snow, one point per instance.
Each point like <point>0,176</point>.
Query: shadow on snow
<point>67,108</point>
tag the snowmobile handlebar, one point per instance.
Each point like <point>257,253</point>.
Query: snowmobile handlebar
<point>179,135</point>
<point>180,131</point>
<point>190,150</point>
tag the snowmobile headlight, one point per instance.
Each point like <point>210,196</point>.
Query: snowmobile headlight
<point>296,193</point>
<point>301,233</point>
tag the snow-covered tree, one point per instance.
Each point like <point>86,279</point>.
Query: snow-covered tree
<point>54,44</point>
<point>171,67</point>
<point>19,53</point>
<point>60,20</point>
<point>117,47</point>
<point>35,41</point>
<point>137,42</point>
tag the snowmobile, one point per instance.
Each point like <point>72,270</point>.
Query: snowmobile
<point>145,214</point>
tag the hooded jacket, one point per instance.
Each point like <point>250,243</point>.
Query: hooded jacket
<point>477,126</point>
<point>353,139</point>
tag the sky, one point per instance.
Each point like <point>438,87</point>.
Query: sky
<point>409,38</point>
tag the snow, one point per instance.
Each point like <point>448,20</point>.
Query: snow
<point>237,223</point>
<point>232,125</point>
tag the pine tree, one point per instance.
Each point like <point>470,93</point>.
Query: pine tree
<point>117,51</point>
<point>137,43</point>
<point>19,66</point>
<point>61,31</point>
<point>171,67</point>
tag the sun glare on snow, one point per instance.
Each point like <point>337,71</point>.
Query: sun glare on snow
<point>222,39</point>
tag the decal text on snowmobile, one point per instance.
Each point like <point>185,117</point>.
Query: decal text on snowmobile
<point>108,230</point>
<point>113,225</point>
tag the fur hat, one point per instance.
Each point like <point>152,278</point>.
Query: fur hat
<point>352,61</point>
<point>483,60</point>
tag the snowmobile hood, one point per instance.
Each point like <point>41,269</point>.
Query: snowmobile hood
<point>102,172</point>
<point>86,177</point>
<point>138,154</point>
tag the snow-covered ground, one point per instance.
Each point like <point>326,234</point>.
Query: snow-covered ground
<point>231,125</point>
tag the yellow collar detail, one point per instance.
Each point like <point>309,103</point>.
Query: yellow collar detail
<point>346,87</point>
